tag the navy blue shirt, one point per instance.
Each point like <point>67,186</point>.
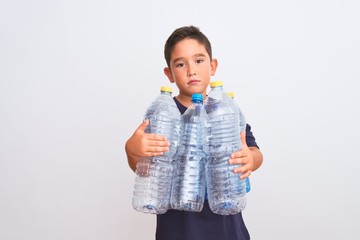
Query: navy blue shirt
<point>204,225</point>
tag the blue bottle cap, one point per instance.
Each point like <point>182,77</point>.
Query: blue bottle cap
<point>197,97</point>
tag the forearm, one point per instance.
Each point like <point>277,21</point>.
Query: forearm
<point>257,156</point>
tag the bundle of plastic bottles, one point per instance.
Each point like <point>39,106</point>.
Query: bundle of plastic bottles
<point>196,166</point>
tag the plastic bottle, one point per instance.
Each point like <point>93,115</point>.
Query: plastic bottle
<point>242,129</point>
<point>154,174</point>
<point>242,116</point>
<point>226,191</point>
<point>188,189</point>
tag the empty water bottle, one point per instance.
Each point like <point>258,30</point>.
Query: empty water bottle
<point>154,174</point>
<point>188,189</point>
<point>241,114</point>
<point>242,129</point>
<point>226,191</point>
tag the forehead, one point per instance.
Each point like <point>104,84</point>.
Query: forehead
<point>188,48</point>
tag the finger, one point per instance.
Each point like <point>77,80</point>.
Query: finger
<point>236,158</point>
<point>236,155</point>
<point>156,137</point>
<point>143,125</point>
<point>243,138</point>
<point>159,149</point>
<point>245,175</point>
<point>159,142</point>
<point>242,168</point>
<point>154,154</point>
<point>156,151</point>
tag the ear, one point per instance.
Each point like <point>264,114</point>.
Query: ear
<point>214,65</point>
<point>168,73</point>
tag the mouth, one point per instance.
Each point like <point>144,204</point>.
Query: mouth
<point>194,81</point>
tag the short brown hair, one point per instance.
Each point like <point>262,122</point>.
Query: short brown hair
<point>187,32</point>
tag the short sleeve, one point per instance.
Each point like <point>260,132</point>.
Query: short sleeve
<point>250,139</point>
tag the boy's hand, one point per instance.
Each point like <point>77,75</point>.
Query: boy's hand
<point>142,144</point>
<point>244,158</point>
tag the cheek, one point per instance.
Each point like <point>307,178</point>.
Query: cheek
<point>178,74</point>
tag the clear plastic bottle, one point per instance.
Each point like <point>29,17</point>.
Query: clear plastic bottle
<point>226,191</point>
<point>154,174</point>
<point>188,188</point>
<point>242,129</point>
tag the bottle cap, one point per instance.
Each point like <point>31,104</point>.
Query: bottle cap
<point>231,94</point>
<point>166,89</point>
<point>216,84</point>
<point>196,97</point>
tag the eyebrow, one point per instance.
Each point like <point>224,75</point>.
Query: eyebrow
<point>196,55</point>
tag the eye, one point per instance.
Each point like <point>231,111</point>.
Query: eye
<point>199,60</point>
<point>179,65</point>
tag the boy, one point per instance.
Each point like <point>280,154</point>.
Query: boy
<point>190,66</point>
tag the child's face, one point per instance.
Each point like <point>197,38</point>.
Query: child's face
<point>190,67</point>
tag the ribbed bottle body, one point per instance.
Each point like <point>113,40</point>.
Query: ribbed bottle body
<point>188,188</point>
<point>242,129</point>
<point>226,191</point>
<point>154,174</point>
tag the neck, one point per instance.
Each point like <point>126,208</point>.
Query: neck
<point>184,100</point>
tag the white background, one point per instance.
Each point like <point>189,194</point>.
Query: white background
<point>76,77</point>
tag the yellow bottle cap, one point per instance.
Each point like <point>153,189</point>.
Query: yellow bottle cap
<point>216,84</point>
<point>166,89</point>
<point>231,94</point>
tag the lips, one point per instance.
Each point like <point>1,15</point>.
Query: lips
<point>193,81</point>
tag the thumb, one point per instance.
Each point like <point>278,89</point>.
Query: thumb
<point>243,138</point>
<point>143,125</point>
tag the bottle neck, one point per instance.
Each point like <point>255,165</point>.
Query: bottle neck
<point>166,93</point>
<point>217,88</point>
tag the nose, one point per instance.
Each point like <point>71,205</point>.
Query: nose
<point>191,70</point>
